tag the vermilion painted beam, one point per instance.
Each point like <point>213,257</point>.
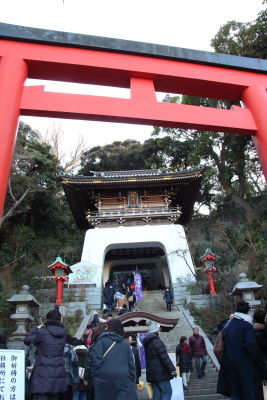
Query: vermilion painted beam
<point>138,110</point>
<point>114,69</point>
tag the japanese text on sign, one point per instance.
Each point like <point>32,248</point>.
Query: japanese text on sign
<point>12,374</point>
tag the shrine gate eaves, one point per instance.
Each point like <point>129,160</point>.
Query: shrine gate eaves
<point>144,68</point>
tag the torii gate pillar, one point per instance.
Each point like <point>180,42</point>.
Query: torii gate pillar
<point>255,99</point>
<point>13,73</point>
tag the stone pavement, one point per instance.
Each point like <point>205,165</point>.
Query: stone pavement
<point>204,389</point>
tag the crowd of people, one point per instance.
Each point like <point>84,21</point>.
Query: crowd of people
<point>68,368</point>
<point>105,362</point>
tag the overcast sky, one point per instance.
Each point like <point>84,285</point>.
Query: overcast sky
<point>177,23</point>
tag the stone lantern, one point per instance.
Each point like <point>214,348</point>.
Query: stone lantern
<point>245,289</point>
<point>60,271</point>
<point>23,301</point>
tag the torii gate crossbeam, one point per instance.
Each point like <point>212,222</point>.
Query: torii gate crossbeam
<point>143,68</point>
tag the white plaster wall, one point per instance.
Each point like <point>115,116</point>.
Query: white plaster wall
<point>171,238</point>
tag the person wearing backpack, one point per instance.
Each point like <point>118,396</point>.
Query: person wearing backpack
<point>95,320</point>
<point>131,297</point>
<point>71,368</point>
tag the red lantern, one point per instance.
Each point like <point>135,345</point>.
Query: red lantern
<point>60,271</point>
<point>208,260</point>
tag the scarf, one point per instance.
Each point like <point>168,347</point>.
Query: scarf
<point>185,348</point>
<point>245,317</point>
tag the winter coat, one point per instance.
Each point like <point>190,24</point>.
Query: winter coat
<point>81,352</point>
<point>87,336</point>
<point>260,373</point>
<point>197,346</point>
<point>261,338</point>
<point>236,371</point>
<point>183,360</point>
<point>88,364</point>
<point>71,365</point>
<point>109,292</point>
<point>159,367</point>
<point>113,375</point>
<point>137,363</point>
<point>49,376</point>
<point>168,296</point>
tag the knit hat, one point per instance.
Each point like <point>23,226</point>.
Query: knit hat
<point>152,327</point>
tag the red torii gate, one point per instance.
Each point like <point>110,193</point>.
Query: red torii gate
<point>144,68</point>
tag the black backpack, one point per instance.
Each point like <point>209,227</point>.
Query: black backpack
<point>93,323</point>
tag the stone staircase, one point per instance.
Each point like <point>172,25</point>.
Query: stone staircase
<point>203,389</point>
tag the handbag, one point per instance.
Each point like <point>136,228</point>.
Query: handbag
<point>219,344</point>
<point>177,389</point>
<point>149,391</point>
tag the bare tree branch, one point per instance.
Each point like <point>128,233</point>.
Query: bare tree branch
<point>12,211</point>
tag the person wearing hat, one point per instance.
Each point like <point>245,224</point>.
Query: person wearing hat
<point>159,368</point>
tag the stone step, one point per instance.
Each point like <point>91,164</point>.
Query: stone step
<point>199,389</point>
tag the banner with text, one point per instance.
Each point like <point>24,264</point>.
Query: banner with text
<point>138,286</point>
<point>12,374</point>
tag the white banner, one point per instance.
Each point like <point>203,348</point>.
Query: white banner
<point>83,273</point>
<point>12,374</point>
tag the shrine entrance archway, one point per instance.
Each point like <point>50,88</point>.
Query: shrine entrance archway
<point>144,68</point>
<point>149,258</point>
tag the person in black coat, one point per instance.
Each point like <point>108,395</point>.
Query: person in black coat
<point>49,376</point>
<point>260,365</point>
<point>113,369</point>
<point>129,338</point>
<point>184,361</point>
<point>3,341</point>
<point>168,297</point>
<point>236,371</point>
<point>109,292</point>
<point>260,331</point>
<point>159,368</point>
<point>80,390</point>
<point>131,297</point>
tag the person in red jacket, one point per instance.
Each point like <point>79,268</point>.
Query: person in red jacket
<point>199,352</point>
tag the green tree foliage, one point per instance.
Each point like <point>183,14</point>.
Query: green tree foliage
<point>243,39</point>
<point>41,227</point>
<point>116,156</point>
<point>131,154</point>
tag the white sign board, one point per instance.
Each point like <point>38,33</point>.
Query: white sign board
<point>12,374</point>
<point>83,273</point>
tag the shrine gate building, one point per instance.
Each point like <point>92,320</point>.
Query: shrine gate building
<point>135,219</point>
